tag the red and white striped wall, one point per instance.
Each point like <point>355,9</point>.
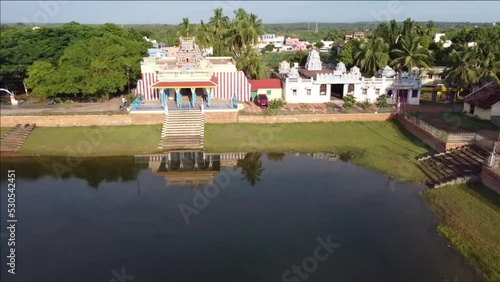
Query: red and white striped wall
<point>229,83</point>
<point>144,87</point>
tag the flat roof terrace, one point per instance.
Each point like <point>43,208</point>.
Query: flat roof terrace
<point>312,73</point>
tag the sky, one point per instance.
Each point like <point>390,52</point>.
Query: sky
<point>172,12</point>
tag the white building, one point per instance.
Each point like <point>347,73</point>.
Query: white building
<point>316,84</point>
<point>327,46</point>
<point>277,40</point>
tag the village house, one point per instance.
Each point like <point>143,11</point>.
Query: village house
<point>314,83</point>
<point>434,88</point>
<point>296,44</point>
<point>354,34</point>
<point>275,39</point>
<point>269,87</point>
<point>484,103</point>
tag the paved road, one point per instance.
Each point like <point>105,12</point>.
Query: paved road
<point>110,106</point>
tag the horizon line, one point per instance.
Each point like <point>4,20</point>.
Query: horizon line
<point>356,22</point>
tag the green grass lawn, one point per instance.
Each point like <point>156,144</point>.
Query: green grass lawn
<point>469,218</point>
<point>380,146</point>
<point>4,130</point>
<point>92,141</point>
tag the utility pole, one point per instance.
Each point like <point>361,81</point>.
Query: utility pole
<point>316,30</point>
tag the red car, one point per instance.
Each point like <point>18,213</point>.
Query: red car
<point>261,100</point>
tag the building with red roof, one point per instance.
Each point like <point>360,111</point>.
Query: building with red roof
<point>484,103</point>
<point>270,87</point>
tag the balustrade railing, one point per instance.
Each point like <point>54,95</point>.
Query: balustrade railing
<point>137,102</point>
<point>463,137</point>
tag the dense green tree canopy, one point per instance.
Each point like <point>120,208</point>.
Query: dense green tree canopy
<point>72,59</point>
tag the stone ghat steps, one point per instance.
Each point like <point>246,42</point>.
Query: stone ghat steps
<point>183,130</point>
<point>15,138</point>
<point>454,166</point>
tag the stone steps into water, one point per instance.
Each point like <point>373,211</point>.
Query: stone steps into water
<point>454,166</point>
<point>14,139</point>
<point>183,130</point>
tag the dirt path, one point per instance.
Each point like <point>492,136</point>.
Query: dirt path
<point>110,106</point>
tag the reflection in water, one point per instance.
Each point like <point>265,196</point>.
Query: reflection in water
<point>189,168</point>
<point>251,168</point>
<point>93,170</point>
<point>194,169</point>
<point>242,234</point>
<point>178,168</point>
<point>277,157</point>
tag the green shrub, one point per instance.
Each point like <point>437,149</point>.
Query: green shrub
<point>270,112</point>
<point>329,105</point>
<point>276,104</point>
<point>364,105</point>
<point>305,106</point>
<point>349,101</point>
<point>382,101</point>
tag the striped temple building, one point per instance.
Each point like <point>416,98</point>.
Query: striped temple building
<point>184,70</point>
<point>228,83</point>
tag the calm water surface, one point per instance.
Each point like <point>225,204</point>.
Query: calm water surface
<point>114,220</point>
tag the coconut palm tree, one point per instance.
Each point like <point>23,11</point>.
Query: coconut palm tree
<point>184,28</point>
<point>411,54</point>
<point>372,56</point>
<point>489,69</point>
<point>204,35</point>
<point>251,63</point>
<point>430,28</point>
<point>463,72</point>
<point>219,24</point>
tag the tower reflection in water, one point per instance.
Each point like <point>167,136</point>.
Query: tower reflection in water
<point>192,169</point>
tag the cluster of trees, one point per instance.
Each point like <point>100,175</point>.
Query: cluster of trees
<point>230,37</point>
<point>72,59</point>
<point>411,45</point>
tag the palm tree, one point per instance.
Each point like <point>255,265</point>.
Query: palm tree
<point>204,35</point>
<point>395,31</point>
<point>184,28</point>
<point>430,28</point>
<point>251,168</point>
<point>410,54</point>
<point>251,63</point>
<point>490,68</point>
<point>372,56</point>
<point>464,71</point>
<point>219,25</point>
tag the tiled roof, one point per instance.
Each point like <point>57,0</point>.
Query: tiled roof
<point>265,84</point>
<point>484,97</point>
<point>212,83</point>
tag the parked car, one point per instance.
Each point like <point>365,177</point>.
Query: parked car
<point>261,100</point>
